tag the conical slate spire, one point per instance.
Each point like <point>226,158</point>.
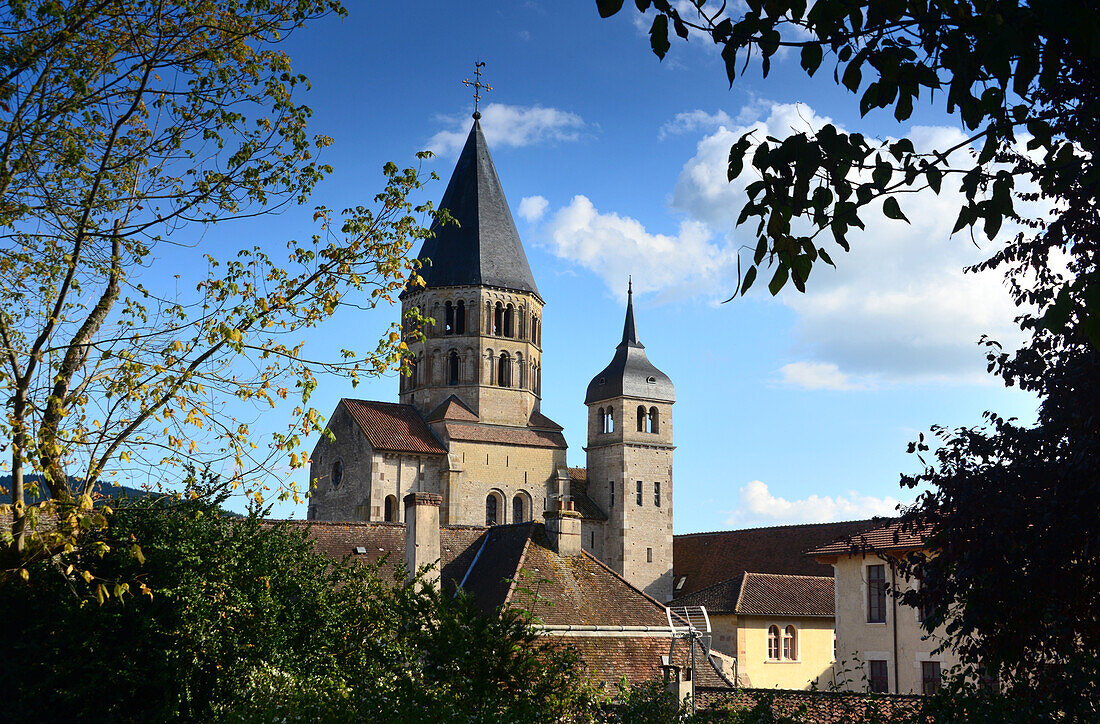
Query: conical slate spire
<point>630,332</point>
<point>483,248</point>
<point>630,373</point>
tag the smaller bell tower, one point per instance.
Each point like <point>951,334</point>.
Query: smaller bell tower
<point>629,456</point>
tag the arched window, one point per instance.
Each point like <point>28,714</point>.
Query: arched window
<point>491,506</point>
<point>538,380</point>
<point>509,321</point>
<point>654,420</point>
<point>413,370</point>
<point>504,370</point>
<point>391,509</point>
<point>610,419</point>
<point>460,318</point>
<point>498,319</point>
<point>773,643</point>
<point>522,372</point>
<point>790,644</point>
<point>452,368</point>
<point>602,415</point>
<point>521,508</point>
<point>642,415</point>
<point>449,319</point>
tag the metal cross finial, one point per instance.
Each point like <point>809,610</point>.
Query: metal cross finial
<point>629,286</point>
<point>477,85</point>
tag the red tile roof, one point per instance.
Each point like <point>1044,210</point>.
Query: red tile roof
<point>766,594</point>
<point>522,436</point>
<point>890,537</point>
<point>540,420</point>
<point>820,707</point>
<point>452,409</point>
<point>578,489</point>
<point>704,559</point>
<point>393,427</point>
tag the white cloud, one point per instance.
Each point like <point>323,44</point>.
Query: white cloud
<point>531,208</point>
<point>898,309</point>
<point>693,121</point>
<point>513,126</point>
<point>616,246</point>
<point>756,505</point>
<point>818,376</point>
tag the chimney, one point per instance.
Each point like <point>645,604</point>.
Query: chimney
<point>563,527</point>
<point>422,535</point>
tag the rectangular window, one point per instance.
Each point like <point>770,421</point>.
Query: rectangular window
<point>930,676</point>
<point>592,540</point>
<point>877,677</point>
<point>657,494</point>
<point>612,500</point>
<point>648,555</point>
<point>639,494</point>
<point>876,594</point>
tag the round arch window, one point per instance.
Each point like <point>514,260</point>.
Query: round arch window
<point>337,473</point>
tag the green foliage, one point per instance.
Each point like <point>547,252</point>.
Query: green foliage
<point>121,122</point>
<point>218,618</point>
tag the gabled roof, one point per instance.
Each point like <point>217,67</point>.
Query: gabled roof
<point>504,435</point>
<point>453,409</point>
<point>540,420</point>
<point>883,539</point>
<point>630,373</point>
<point>578,490</point>
<point>766,594</point>
<point>393,427</point>
<point>704,559</point>
<point>483,248</point>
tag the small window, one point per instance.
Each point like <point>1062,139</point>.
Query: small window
<point>519,509</point>
<point>639,492</point>
<point>452,368</point>
<point>611,499</point>
<point>657,494</point>
<point>449,319</point>
<point>648,555</point>
<point>654,420</point>
<point>498,319</point>
<point>504,370</point>
<point>460,318</point>
<point>790,644</point>
<point>680,583</point>
<point>642,418</point>
<point>876,594</point>
<point>651,380</point>
<point>878,679</point>
<point>773,643</point>
<point>391,509</point>
<point>930,676</point>
<point>337,473</point>
<point>491,509</point>
<point>510,321</point>
<point>592,540</point>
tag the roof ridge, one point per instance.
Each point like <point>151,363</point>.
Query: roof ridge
<point>788,575</point>
<point>520,562</point>
<point>782,525</point>
<point>740,592</point>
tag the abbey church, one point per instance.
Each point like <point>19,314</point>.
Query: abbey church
<point>467,431</point>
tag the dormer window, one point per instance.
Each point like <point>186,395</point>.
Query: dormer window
<point>651,380</point>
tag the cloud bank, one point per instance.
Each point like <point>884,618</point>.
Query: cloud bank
<point>509,126</point>
<point>756,505</point>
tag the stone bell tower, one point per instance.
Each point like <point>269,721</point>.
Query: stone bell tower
<point>630,462</point>
<point>485,347</point>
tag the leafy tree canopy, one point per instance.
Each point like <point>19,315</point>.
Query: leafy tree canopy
<point>122,121</point>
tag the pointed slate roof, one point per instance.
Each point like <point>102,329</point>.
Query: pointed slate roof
<point>483,248</point>
<point>630,373</point>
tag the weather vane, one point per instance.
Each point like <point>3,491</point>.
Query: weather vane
<point>478,85</point>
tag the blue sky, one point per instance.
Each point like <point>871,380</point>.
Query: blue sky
<point>789,409</point>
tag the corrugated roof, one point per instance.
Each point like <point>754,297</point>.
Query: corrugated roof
<point>885,538</point>
<point>393,427</point>
<point>526,437</point>
<point>704,559</point>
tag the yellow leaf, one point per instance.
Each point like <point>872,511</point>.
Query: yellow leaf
<point>24,574</point>
<point>136,550</point>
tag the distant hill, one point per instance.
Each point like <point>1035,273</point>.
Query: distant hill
<point>104,489</point>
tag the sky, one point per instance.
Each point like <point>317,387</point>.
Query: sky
<point>790,409</point>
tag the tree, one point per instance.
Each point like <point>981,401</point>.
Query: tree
<point>1012,515</point>
<point>217,617</point>
<point>121,122</point>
